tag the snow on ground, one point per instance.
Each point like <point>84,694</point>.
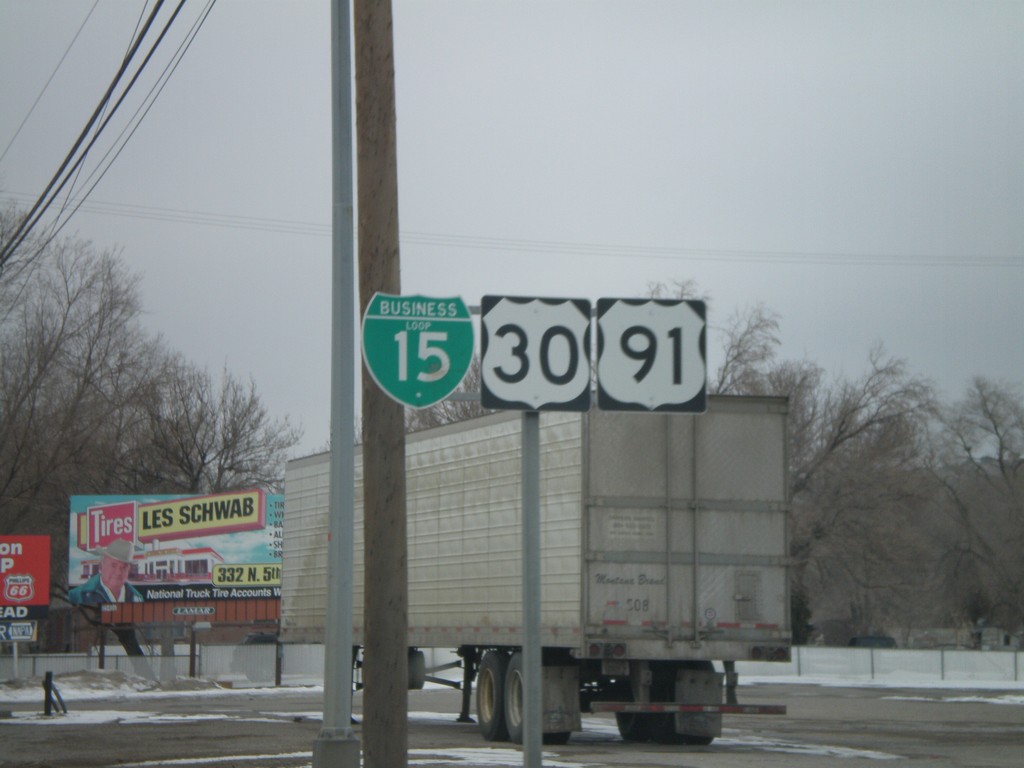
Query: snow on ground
<point>113,684</point>
<point>227,759</point>
<point>1013,699</point>
<point>107,716</point>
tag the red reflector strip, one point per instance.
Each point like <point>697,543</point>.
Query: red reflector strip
<point>725,709</point>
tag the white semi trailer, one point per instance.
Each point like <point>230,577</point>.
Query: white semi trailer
<point>664,549</point>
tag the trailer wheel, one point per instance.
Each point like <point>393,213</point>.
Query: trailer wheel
<point>514,699</point>
<point>514,706</point>
<point>490,696</point>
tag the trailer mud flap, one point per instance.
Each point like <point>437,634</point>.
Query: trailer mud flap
<point>561,702</point>
<point>701,725</point>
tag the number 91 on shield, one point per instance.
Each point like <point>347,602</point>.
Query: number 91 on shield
<point>651,355</point>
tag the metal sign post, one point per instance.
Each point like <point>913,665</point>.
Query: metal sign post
<point>532,695</point>
<point>535,355</point>
<point>336,745</point>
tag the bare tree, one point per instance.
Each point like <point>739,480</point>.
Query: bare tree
<point>750,344</point>
<point>72,351</point>
<point>855,485</point>
<point>199,437</point>
<point>16,266</point>
<point>886,408</point>
<point>86,401</point>
<point>978,462</point>
<point>677,289</point>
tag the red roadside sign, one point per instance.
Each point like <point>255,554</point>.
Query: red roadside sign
<point>24,577</point>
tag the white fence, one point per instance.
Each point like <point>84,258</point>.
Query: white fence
<point>304,664</point>
<point>894,664</point>
<point>210,662</point>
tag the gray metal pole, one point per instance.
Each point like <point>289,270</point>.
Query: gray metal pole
<point>532,700</point>
<point>336,745</point>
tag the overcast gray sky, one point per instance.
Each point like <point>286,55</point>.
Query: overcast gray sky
<point>856,166</point>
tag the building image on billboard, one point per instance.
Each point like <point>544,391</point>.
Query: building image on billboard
<point>141,549</point>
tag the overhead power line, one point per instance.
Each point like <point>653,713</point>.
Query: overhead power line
<point>675,253</point>
<point>45,199</point>
<point>115,149</point>
<point>49,80</point>
<point>177,215</point>
<point>518,245</point>
<point>73,161</point>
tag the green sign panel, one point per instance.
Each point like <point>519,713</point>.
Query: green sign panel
<point>417,348</point>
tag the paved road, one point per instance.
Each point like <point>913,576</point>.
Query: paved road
<point>850,727</point>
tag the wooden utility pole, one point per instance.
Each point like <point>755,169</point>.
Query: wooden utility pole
<point>385,663</point>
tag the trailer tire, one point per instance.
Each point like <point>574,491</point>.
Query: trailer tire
<point>490,696</point>
<point>514,706</point>
<point>514,698</point>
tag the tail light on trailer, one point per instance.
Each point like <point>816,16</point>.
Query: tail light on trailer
<point>607,650</point>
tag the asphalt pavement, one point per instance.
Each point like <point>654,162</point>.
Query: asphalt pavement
<point>276,728</point>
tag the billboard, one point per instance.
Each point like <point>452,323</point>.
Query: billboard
<point>135,549</point>
<point>24,577</point>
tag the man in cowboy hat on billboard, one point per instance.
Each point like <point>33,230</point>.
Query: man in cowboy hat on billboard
<point>110,585</point>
